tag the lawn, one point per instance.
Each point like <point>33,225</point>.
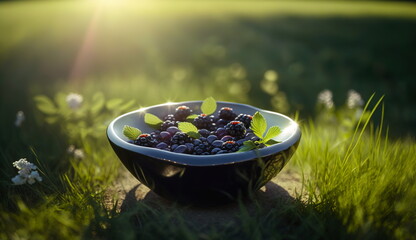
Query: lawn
<point>358,179</point>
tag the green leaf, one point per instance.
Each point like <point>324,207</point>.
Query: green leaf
<point>152,120</point>
<point>271,133</point>
<point>98,102</point>
<point>192,117</point>
<point>271,142</point>
<point>51,119</point>
<point>258,124</point>
<point>209,106</point>
<point>193,134</point>
<point>187,127</point>
<point>60,100</point>
<point>131,132</point>
<point>247,146</point>
<point>45,105</point>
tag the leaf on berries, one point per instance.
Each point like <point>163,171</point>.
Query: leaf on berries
<point>192,117</point>
<point>209,106</point>
<point>193,134</point>
<point>247,146</point>
<point>258,124</point>
<point>187,127</point>
<point>271,142</point>
<point>271,133</point>
<point>131,132</point>
<point>152,120</point>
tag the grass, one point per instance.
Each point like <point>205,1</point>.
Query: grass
<point>360,186</point>
<point>358,183</point>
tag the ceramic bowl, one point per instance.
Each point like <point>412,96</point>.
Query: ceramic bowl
<point>206,179</point>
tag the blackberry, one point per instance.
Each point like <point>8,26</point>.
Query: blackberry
<point>236,129</point>
<point>244,118</point>
<point>213,119</point>
<point>200,149</point>
<point>230,146</point>
<point>168,123</point>
<point>144,140</point>
<point>165,136</point>
<point>180,138</point>
<point>215,150</point>
<point>182,112</point>
<point>226,113</point>
<point>221,122</point>
<point>220,132</point>
<point>162,145</point>
<point>169,117</point>
<point>201,146</point>
<point>204,132</point>
<point>202,122</point>
<point>180,149</point>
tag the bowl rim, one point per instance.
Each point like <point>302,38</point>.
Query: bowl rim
<point>203,160</point>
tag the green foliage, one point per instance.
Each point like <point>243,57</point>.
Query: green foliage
<point>45,105</point>
<point>209,106</point>
<point>273,131</point>
<point>152,120</point>
<point>259,126</point>
<point>247,146</point>
<point>349,189</point>
<point>189,129</point>
<point>131,132</point>
<point>191,117</point>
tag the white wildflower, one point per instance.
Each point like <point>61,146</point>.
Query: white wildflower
<point>27,172</point>
<point>70,149</point>
<point>354,99</point>
<point>20,117</point>
<point>24,164</point>
<point>74,100</point>
<point>325,99</point>
<point>79,154</point>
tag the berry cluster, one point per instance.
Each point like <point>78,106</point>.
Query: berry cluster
<point>224,133</point>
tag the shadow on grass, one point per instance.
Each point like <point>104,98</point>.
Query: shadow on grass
<point>206,218</point>
<point>271,213</point>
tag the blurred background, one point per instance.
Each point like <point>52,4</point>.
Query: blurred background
<point>277,55</point>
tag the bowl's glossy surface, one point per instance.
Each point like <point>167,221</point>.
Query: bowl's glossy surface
<point>207,179</point>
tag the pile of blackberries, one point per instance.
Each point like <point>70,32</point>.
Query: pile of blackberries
<point>222,133</point>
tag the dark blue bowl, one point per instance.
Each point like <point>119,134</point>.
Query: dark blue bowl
<point>207,179</point>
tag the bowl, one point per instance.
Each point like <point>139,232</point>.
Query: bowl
<point>203,179</point>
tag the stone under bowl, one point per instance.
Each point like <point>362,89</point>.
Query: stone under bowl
<point>203,179</point>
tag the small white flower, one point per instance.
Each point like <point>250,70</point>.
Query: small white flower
<point>74,100</point>
<point>79,154</point>
<point>354,99</point>
<point>70,149</point>
<point>325,99</point>
<point>24,164</point>
<point>27,172</point>
<point>20,117</point>
<point>19,180</point>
